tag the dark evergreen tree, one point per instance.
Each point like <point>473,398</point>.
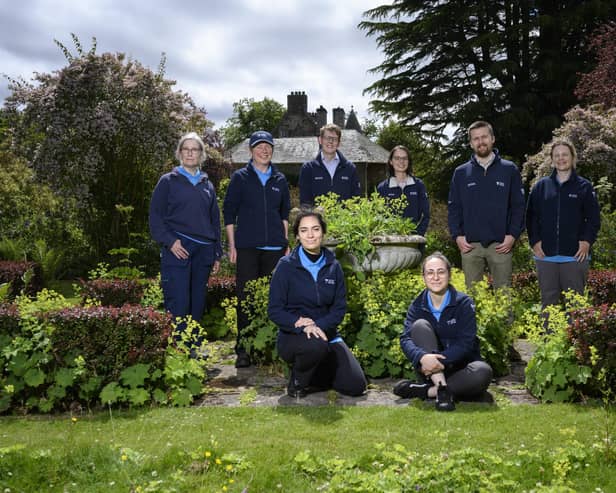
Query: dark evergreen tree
<point>513,63</point>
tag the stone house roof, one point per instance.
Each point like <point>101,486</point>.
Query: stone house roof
<point>295,150</point>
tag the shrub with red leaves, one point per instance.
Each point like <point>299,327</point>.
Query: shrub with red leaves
<point>109,338</point>
<point>112,292</point>
<point>13,272</point>
<point>602,286</point>
<point>525,285</point>
<point>595,327</point>
<point>9,321</point>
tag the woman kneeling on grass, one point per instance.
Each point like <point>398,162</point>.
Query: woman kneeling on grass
<point>308,301</point>
<point>440,340</point>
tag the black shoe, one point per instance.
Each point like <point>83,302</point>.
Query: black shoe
<point>294,390</point>
<point>242,361</point>
<point>409,390</point>
<point>444,399</point>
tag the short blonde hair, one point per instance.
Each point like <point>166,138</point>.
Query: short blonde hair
<point>331,127</point>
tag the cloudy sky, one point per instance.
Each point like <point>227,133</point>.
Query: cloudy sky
<point>218,51</point>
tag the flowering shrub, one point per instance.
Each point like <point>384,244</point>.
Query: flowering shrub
<point>112,292</point>
<point>591,131</point>
<point>592,334</point>
<point>24,276</point>
<point>602,286</point>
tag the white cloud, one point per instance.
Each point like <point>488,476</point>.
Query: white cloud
<point>218,52</point>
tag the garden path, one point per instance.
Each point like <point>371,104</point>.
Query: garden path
<point>256,386</point>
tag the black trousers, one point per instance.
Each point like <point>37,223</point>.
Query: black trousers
<point>317,363</point>
<point>468,382</point>
<point>252,264</point>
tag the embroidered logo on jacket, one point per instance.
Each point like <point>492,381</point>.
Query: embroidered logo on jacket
<point>573,196</point>
<point>276,189</point>
<point>344,178</point>
<point>318,177</point>
<point>326,280</point>
<point>471,184</point>
<point>500,184</point>
<point>452,321</point>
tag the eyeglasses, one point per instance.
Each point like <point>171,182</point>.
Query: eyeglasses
<point>399,158</point>
<point>191,150</point>
<point>434,273</point>
<point>329,139</point>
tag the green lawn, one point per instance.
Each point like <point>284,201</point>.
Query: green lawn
<point>513,448</point>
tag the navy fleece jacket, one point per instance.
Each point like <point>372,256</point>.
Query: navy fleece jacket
<point>294,294</point>
<point>560,215</point>
<point>456,330</point>
<point>178,206</point>
<point>257,210</point>
<point>315,180</point>
<point>485,205</point>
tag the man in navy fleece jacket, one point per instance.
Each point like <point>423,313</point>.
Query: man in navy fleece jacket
<point>486,209</point>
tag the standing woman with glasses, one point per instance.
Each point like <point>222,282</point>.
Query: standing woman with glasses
<point>401,182</point>
<point>185,222</point>
<point>440,340</point>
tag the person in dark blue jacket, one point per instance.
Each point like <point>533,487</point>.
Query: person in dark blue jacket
<point>185,222</point>
<point>308,301</point>
<point>402,182</point>
<point>329,171</point>
<point>563,222</point>
<point>440,340</point>
<point>486,209</point>
<point>256,214</point>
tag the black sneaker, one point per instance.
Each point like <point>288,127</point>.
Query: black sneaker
<point>444,399</point>
<point>242,361</point>
<point>409,390</point>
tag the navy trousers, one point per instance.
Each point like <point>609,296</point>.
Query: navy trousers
<point>184,281</point>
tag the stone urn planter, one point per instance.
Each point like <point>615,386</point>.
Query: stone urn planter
<point>392,253</point>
